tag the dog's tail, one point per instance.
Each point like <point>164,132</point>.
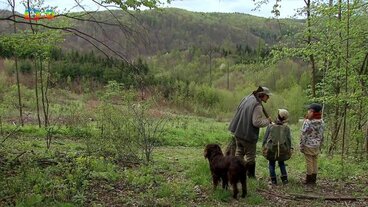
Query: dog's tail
<point>231,147</point>
<point>242,163</point>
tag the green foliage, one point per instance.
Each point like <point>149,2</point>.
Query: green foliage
<point>118,132</point>
<point>115,138</point>
<point>10,98</point>
<point>338,48</point>
<point>144,177</point>
<point>74,67</point>
<point>31,200</point>
<point>136,4</point>
<point>179,29</point>
<point>73,119</point>
<point>9,67</point>
<point>179,176</point>
<point>126,130</point>
<point>207,96</point>
<point>222,195</point>
<point>198,173</point>
<point>292,99</point>
<point>100,168</point>
<point>60,177</point>
<point>27,44</point>
<point>25,67</point>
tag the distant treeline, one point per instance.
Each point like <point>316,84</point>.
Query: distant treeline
<point>74,66</point>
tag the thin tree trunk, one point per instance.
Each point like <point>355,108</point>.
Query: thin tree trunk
<point>346,76</point>
<point>363,71</point>
<point>335,132</point>
<point>339,16</point>
<point>17,71</point>
<point>48,129</point>
<point>19,93</point>
<point>228,78</point>
<point>46,91</point>
<point>311,56</point>
<point>36,93</point>
<point>366,140</point>
<point>36,78</point>
<point>211,67</point>
<point>357,128</point>
<point>43,95</point>
<point>29,13</point>
<point>1,126</point>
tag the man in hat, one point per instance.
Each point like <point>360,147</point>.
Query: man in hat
<point>246,123</point>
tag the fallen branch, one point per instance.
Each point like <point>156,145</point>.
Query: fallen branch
<point>6,198</point>
<point>314,197</point>
<point>44,162</point>
<point>18,156</point>
<point>21,154</point>
<point>285,196</point>
<point>10,134</point>
<point>294,196</point>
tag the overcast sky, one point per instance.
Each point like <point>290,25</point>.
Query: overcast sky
<point>288,7</point>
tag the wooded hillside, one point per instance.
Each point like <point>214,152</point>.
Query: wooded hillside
<point>158,31</point>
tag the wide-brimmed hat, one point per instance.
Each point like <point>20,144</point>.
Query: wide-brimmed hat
<point>263,90</point>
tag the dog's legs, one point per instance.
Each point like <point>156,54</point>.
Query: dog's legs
<point>225,182</point>
<point>244,187</point>
<point>235,189</point>
<point>215,180</point>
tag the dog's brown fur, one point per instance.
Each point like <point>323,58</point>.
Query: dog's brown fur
<point>226,168</point>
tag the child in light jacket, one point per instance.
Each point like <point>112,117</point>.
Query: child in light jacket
<point>311,139</point>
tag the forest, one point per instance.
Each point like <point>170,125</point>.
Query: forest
<point>115,107</point>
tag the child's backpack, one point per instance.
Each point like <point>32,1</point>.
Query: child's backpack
<point>277,146</point>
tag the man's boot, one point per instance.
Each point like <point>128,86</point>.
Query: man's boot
<point>308,180</point>
<point>313,179</point>
<point>252,170</point>
<point>284,179</point>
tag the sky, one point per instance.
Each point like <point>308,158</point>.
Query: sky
<point>288,7</point>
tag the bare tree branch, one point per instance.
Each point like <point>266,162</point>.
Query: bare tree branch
<point>74,31</point>
<point>10,134</point>
<point>103,30</point>
<point>135,37</point>
<point>86,20</point>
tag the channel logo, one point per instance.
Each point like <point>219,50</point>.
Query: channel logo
<point>37,14</point>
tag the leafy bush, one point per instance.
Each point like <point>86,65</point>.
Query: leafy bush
<point>25,67</point>
<point>127,131</point>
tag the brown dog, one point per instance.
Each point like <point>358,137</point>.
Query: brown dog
<point>226,168</point>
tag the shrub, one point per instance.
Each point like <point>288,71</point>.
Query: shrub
<point>126,131</point>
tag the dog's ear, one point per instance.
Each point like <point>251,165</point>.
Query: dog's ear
<point>205,153</point>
